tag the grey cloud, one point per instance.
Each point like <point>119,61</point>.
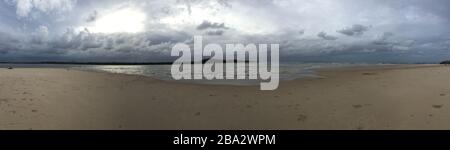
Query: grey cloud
<point>8,43</point>
<point>383,39</point>
<point>188,5</point>
<point>40,35</point>
<point>210,25</point>
<point>90,42</point>
<point>301,32</point>
<point>324,36</point>
<point>25,7</point>
<point>215,33</point>
<point>167,37</point>
<point>355,30</point>
<point>215,4</point>
<point>224,3</point>
<point>92,17</point>
<point>148,45</point>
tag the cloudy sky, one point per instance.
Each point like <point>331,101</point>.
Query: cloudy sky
<point>145,30</point>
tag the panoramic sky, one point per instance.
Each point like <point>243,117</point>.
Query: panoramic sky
<point>411,31</point>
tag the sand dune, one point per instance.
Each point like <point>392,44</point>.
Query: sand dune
<point>388,97</point>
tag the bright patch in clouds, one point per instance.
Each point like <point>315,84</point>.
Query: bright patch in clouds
<point>122,21</point>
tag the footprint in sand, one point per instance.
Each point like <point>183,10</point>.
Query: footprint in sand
<point>248,106</point>
<point>442,94</point>
<point>302,118</point>
<point>357,106</point>
<point>4,100</point>
<point>34,110</point>
<point>438,106</point>
<point>197,114</point>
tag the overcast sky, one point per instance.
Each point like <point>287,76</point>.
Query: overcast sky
<point>307,30</point>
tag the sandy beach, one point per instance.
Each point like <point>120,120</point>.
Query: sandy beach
<point>387,97</point>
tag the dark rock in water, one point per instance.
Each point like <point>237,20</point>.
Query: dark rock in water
<point>447,62</point>
<point>10,67</point>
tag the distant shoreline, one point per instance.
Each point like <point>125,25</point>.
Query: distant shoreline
<point>90,63</point>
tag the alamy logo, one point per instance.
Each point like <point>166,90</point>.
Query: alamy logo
<point>191,66</point>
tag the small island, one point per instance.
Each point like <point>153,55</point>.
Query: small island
<point>447,62</point>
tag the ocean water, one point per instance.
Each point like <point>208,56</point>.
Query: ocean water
<point>288,71</point>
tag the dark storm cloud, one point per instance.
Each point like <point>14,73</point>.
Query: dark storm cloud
<point>355,30</point>
<point>151,45</point>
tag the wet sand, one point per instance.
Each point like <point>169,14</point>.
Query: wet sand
<point>387,97</point>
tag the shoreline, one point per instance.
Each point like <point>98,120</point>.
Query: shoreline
<point>394,97</point>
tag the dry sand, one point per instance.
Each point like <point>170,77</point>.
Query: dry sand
<point>389,97</point>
